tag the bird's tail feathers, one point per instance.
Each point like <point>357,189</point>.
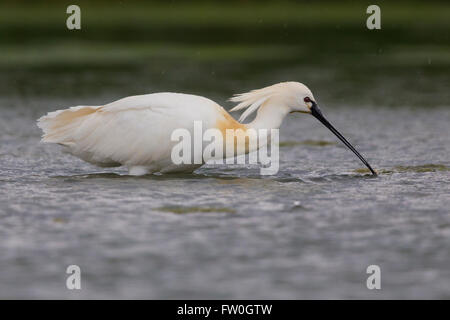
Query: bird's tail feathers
<point>58,126</point>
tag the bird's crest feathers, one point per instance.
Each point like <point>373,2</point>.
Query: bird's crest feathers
<point>252,100</point>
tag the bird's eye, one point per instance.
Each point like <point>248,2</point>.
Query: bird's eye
<point>307,99</point>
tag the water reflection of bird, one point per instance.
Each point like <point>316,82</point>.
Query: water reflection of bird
<point>136,131</point>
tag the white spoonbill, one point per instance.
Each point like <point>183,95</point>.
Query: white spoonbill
<point>135,131</point>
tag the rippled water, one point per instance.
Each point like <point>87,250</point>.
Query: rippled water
<point>308,232</point>
<point>226,232</point>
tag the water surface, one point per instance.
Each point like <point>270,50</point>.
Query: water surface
<point>309,231</point>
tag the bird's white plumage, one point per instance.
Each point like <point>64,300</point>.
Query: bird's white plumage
<point>134,131</point>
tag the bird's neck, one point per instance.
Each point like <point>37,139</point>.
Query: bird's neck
<point>269,116</point>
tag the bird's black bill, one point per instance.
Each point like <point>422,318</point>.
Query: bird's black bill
<point>315,111</point>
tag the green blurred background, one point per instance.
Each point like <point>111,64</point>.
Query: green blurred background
<point>217,48</point>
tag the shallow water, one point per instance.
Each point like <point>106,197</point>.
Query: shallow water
<point>308,232</point>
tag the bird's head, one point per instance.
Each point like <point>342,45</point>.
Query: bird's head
<point>295,95</point>
<point>292,97</point>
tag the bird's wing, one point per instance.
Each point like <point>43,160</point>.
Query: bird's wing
<point>132,131</point>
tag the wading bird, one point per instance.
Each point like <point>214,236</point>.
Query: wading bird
<point>136,131</point>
